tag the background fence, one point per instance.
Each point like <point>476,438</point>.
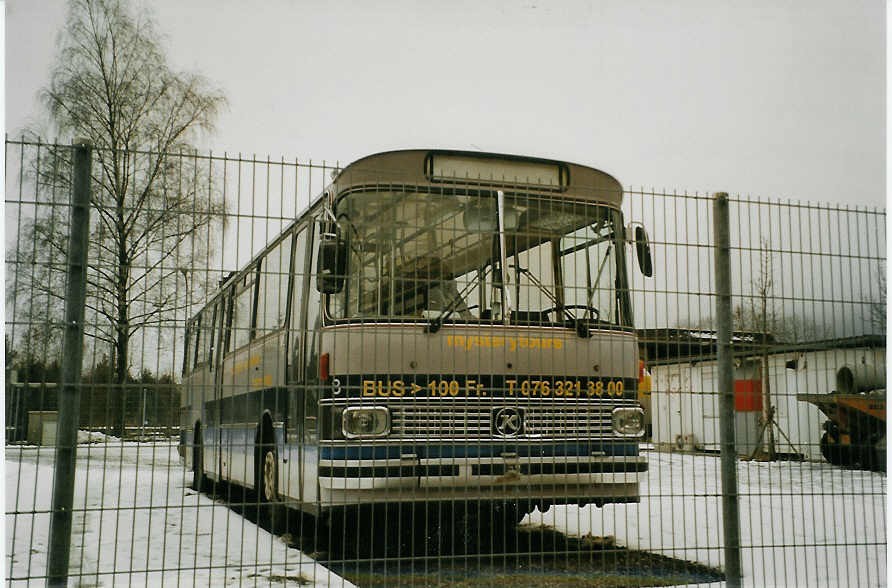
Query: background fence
<point>809,318</point>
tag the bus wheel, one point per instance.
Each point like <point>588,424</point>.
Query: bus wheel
<point>269,477</point>
<point>198,480</point>
<point>267,464</point>
<point>266,472</point>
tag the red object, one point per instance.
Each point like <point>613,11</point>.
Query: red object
<point>748,395</point>
<point>323,367</point>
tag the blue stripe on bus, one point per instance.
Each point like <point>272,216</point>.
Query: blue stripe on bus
<point>446,451</point>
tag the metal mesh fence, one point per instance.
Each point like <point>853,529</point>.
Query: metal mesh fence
<point>435,368</point>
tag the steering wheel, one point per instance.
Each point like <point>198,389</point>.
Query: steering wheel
<point>596,314</point>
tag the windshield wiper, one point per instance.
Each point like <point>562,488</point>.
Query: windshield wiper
<point>548,294</point>
<point>591,285</point>
<point>435,323</point>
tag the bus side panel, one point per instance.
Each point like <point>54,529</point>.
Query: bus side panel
<point>253,384</point>
<point>199,391</point>
<point>299,451</point>
<point>310,465</point>
<point>189,414</point>
<point>289,457</point>
<point>309,400</point>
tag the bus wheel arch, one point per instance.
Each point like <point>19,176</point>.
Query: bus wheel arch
<point>266,461</point>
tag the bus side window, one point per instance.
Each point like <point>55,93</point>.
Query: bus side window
<point>299,283</point>
<point>220,330</point>
<point>187,365</point>
<point>196,342</point>
<point>226,326</point>
<point>309,426</point>
<point>210,336</point>
<point>314,306</point>
<point>273,288</point>
<point>243,311</point>
<point>310,397</point>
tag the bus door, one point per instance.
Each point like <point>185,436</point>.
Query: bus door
<point>215,404</point>
<point>293,450</point>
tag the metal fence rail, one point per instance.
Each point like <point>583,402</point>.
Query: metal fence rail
<point>454,410</point>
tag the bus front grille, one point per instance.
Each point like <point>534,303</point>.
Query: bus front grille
<point>456,421</point>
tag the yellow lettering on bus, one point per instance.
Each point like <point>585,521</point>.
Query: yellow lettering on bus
<point>368,387</point>
<point>472,387</point>
<point>398,388</point>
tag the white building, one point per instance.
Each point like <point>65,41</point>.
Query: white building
<point>684,399</point>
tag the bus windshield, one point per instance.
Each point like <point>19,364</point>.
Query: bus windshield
<point>438,256</point>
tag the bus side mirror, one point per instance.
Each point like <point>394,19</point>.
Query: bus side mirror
<point>642,249</point>
<point>332,264</point>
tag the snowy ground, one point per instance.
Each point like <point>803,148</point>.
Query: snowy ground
<point>803,524</point>
<point>141,526</point>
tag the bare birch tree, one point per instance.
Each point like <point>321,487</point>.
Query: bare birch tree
<point>154,207</point>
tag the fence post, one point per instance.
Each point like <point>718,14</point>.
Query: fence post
<point>72,357</point>
<point>730,507</point>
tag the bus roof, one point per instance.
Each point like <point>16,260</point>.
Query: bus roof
<point>473,170</point>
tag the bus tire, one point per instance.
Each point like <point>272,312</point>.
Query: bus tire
<point>269,477</point>
<point>267,465</point>
<point>197,459</point>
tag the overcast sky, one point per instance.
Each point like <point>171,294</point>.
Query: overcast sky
<point>771,99</point>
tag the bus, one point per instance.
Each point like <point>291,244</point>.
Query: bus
<point>439,327</point>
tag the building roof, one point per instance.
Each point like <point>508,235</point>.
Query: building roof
<point>664,346</point>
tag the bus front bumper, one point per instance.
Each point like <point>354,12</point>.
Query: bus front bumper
<point>409,479</point>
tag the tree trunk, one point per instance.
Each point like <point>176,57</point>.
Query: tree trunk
<point>119,393</point>
<point>122,336</point>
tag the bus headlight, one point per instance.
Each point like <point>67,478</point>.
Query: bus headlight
<point>628,421</point>
<point>363,422</point>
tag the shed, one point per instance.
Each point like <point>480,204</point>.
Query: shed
<point>684,406</point>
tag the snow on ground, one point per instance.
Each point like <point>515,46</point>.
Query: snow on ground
<point>802,524</point>
<point>137,523</point>
<point>91,437</point>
